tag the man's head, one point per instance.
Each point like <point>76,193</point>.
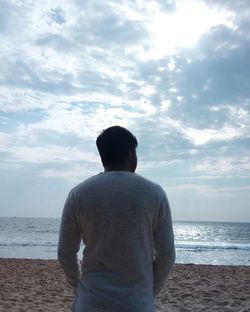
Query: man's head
<point>117,148</point>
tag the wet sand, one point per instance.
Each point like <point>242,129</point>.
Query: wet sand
<point>39,285</point>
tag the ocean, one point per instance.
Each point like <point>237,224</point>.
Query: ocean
<point>196,242</point>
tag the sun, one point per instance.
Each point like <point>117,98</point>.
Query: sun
<point>183,27</point>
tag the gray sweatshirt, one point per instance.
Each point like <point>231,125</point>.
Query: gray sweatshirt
<point>124,221</point>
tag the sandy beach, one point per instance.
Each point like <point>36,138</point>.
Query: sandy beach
<point>39,285</point>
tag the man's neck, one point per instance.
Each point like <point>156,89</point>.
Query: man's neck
<point>124,167</point>
<point>106,169</point>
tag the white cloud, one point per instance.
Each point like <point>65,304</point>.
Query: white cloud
<point>4,140</point>
<point>49,154</point>
<point>146,165</point>
<point>237,127</point>
<point>75,174</point>
<point>202,189</point>
<point>209,203</point>
<point>18,99</point>
<point>165,105</point>
<point>83,124</point>
<point>182,28</point>
<point>204,136</point>
<point>225,165</point>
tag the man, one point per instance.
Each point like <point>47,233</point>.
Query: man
<point>124,221</point>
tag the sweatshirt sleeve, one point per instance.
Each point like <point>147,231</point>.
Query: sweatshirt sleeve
<point>164,246</point>
<point>69,243</point>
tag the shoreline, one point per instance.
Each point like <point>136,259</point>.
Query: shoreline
<point>175,264</point>
<point>40,285</point>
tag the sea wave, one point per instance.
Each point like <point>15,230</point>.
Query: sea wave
<point>181,245</point>
<point>206,246</point>
<point>27,244</point>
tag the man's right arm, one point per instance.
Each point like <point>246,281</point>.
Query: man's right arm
<point>69,244</point>
<point>164,246</point>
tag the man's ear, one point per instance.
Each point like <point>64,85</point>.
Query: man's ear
<point>131,154</point>
<point>132,158</point>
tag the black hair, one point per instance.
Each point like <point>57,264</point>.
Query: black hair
<point>114,144</point>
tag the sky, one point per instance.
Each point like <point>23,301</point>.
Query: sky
<point>175,73</point>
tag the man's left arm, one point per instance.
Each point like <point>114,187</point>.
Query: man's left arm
<point>164,246</point>
<point>69,243</point>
